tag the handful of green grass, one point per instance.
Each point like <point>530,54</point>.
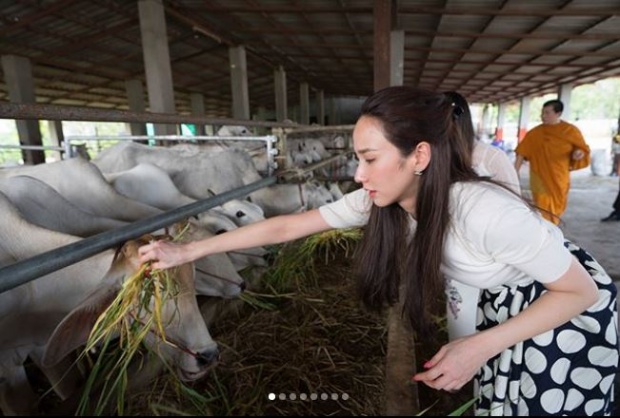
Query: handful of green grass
<point>119,332</point>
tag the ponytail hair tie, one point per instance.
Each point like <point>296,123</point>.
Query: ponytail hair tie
<point>457,110</point>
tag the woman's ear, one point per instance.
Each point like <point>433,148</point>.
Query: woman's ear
<point>421,156</point>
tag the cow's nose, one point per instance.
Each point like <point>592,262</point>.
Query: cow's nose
<point>208,357</point>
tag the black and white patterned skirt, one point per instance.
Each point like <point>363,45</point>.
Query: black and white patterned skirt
<point>569,370</point>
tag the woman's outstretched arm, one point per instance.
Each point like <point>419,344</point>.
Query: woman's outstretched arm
<point>166,254</point>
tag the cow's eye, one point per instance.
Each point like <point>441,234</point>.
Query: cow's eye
<point>240,214</point>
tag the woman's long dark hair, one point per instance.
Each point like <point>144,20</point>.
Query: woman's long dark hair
<point>389,264</point>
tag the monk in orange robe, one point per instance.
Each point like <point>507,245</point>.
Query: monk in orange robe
<point>553,149</point>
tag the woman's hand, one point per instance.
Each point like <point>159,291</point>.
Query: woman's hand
<point>164,254</point>
<point>455,364</point>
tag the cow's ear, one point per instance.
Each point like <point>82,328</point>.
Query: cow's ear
<point>74,329</point>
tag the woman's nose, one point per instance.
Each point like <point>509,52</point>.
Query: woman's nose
<point>359,177</point>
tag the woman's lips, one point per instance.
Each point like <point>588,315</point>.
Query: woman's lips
<point>372,193</point>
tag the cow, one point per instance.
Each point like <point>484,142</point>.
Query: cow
<point>80,182</point>
<point>47,318</point>
<point>41,205</point>
<point>234,130</point>
<point>150,184</point>
<point>199,174</point>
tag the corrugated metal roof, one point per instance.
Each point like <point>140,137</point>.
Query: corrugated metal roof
<point>82,51</point>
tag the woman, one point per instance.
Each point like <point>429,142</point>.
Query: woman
<point>547,341</point>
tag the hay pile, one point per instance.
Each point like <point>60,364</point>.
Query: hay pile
<point>314,348</point>
<point>299,335</point>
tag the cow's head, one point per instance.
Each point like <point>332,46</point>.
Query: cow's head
<point>192,350</point>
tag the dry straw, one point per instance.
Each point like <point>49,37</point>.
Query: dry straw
<point>118,335</point>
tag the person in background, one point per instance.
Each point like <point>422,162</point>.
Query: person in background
<point>553,149</point>
<point>614,216</point>
<point>492,162</point>
<point>547,342</point>
<point>615,154</point>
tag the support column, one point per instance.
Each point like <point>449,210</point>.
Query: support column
<point>18,78</point>
<point>304,104</point>
<point>382,13</point>
<point>333,111</point>
<point>320,107</point>
<point>57,136</point>
<point>135,98</point>
<point>564,93</point>
<point>198,109</point>
<point>501,112</point>
<point>239,82</point>
<point>157,61</point>
<point>280,92</point>
<point>262,115</point>
<point>397,57</point>
<point>484,121</point>
<point>293,113</point>
<point>524,117</point>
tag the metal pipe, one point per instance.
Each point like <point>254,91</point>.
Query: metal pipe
<point>266,138</point>
<point>75,113</point>
<point>299,173</point>
<point>35,147</point>
<point>27,270</point>
<point>308,129</point>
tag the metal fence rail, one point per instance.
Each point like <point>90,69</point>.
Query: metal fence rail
<point>27,270</point>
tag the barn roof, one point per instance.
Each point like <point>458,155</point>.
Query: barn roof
<point>82,51</point>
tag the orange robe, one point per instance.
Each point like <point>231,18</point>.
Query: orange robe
<point>548,148</point>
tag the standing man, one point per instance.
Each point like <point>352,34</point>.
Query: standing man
<point>553,149</point>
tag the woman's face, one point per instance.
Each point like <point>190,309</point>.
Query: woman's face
<point>384,173</point>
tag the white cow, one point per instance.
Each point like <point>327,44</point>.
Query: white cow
<point>290,198</point>
<point>80,182</point>
<point>41,205</point>
<point>218,274</point>
<point>151,185</point>
<point>38,203</point>
<point>148,184</point>
<point>199,174</point>
<point>65,304</point>
<point>313,148</point>
<point>234,130</point>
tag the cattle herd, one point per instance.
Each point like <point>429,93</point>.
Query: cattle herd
<point>52,205</point>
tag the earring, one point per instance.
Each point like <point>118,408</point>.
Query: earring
<point>418,172</point>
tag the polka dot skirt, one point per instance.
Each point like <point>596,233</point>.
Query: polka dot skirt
<point>569,370</point>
